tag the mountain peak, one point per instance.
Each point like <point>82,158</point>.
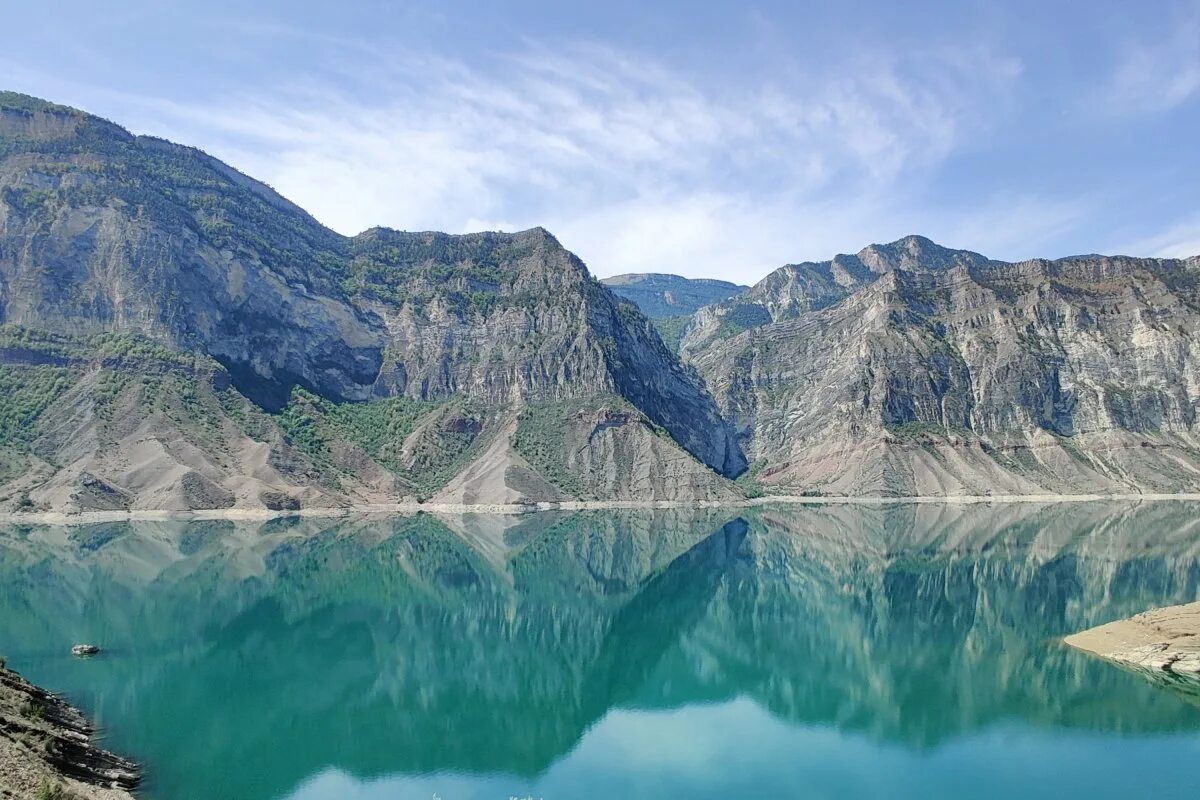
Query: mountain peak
<point>916,253</point>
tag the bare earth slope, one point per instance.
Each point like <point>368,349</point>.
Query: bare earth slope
<point>911,369</point>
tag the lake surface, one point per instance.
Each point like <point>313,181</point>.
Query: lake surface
<point>829,651</point>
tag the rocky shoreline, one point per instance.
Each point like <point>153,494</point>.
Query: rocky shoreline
<point>1162,644</point>
<point>46,749</point>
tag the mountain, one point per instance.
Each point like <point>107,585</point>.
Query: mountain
<point>660,296</point>
<point>911,368</point>
<point>670,300</point>
<point>174,334</point>
<point>177,335</point>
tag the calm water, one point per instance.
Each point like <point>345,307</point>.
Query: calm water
<point>822,652</point>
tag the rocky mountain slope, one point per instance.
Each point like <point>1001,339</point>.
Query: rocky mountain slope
<point>910,368</point>
<point>670,300</point>
<point>177,335</point>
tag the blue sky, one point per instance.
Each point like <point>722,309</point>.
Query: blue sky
<point>705,139</point>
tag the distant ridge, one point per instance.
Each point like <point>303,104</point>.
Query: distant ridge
<point>659,295</point>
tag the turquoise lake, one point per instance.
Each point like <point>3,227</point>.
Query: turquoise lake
<point>827,651</point>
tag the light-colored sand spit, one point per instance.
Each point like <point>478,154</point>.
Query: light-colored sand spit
<point>1164,640</point>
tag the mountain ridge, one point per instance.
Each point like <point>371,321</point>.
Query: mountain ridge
<point>175,334</point>
<point>915,369</point>
<point>441,339</point>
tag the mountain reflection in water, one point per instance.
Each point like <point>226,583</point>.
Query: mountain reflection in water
<point>488,655</point>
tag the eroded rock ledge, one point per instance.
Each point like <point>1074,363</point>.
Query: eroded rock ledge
<point>46,749</point>
<point>1163,644</point>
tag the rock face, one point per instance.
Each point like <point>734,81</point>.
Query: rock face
<point>508,319</point>
<point>147,291</point>
<point>103,231</point>
<point>913,369</point>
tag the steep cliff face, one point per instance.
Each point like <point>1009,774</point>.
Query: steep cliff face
<point>913,369</point>
<point>516,318</point>
<point>103,233</point>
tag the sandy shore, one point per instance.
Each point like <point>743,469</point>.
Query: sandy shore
<point>90,517</point>
<point>1164,640</point>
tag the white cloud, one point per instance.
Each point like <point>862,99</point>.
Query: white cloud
<point>633,165</point>
<point>1012,226</point>
<point>1159,74</point>
<point>1179,240</point>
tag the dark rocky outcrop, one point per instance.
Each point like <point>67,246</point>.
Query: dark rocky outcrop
<point>46,743</point>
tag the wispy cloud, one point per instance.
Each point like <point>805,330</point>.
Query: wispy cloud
<point>1181,239</point>
<point>634,165</point>
<point>1162,73</point>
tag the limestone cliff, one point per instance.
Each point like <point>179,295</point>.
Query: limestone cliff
<point>913,369</point>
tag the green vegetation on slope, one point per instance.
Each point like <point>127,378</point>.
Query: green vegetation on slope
<point>543,439</point>
<point>670,329</point>
<point>449,436</point>
<point>25,393</point>
<point>473,274</point>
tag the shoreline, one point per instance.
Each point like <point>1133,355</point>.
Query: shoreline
<point>1161,645</point>
<point>399,509</point>
<point>47,748</point>
<point>1162,640</point>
